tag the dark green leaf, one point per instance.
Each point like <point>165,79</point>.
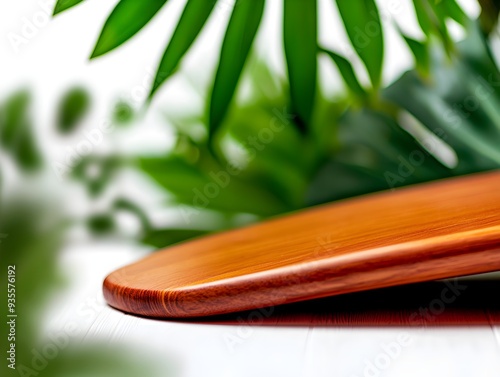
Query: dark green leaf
<point>422,12</point>
<point>433,22</point>
<point>450,9</point>
<point>173,173</point>
<point>249,120</point>
<point>490,10</point>
<point>14,117</point>
<point>26,153</point>
<point>475,151</point>
<point>476,53</point>
<point>420,53</point>
<point>123,113</point>
<point>215,187</point>
<point>443,11</point>
<point>388,146</point>
<point>376,154</point>
<point>275,165</point>
<point>72,109</point>
<point>16,131</point>
<point>337,180</point>
<point>101,223</point>
<point>240,34</point>
<point>63,5</point>
<point>348,74</point>
<point>165,237</point>
<point>192,20</point>
<point>128,17</point>
<point>300,43</point>
<point>362,23</point>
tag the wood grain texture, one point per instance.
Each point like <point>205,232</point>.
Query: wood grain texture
<point>421,233</point>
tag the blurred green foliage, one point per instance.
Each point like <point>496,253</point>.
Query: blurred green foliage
<point>33,229</point>
<point>364,29</point>
<point>16,131</point>
<point>355,145</point>
<point>123,113</point>
<point>288,146</point>
<point>74,106</point>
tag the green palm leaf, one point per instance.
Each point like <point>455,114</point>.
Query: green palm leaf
<point>63,5</point>
<point>300,43</point>
<point>238,39</point>
<point>192,20</point>
<point>348,75</point>
<point>128,17</point>
<point>420,51</point>
<point>364,29</point>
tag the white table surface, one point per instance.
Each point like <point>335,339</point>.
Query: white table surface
<point>238,350</point>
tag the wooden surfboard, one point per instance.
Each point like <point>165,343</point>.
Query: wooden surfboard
<point>425,232</point>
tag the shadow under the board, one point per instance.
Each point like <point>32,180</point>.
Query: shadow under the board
<point>443,303</point>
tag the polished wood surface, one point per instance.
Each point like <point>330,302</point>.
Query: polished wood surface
<point>467,302</point>
<point>421,233</point>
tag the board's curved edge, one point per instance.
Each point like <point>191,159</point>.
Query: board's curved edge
<point>475,252</point>
<point>136,301</point>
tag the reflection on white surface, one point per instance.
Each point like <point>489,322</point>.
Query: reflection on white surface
<point>241,350</point>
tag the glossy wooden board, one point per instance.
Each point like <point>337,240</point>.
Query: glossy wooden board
<point>421,233</point>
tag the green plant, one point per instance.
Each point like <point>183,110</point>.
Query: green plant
<point>439,119</point>
<point>299,42</point>
<point>34,226</point>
